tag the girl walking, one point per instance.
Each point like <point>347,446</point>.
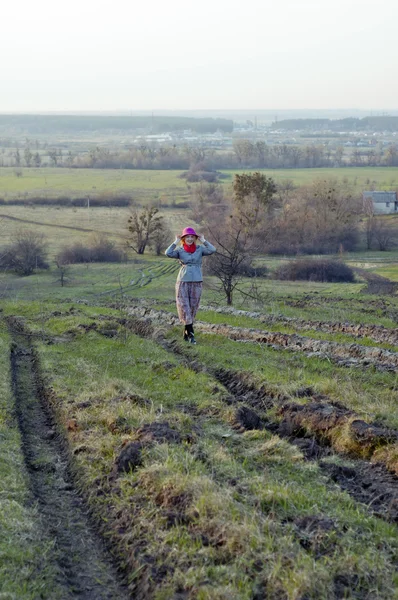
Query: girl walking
<point>190,278</point>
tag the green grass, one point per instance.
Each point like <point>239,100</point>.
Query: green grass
<point>65,226</point>
<point>155,185</point>
<point>24,570</point>
<point>99,283</point>
<point>361,178</point>
<point>76,182</point>
<point>390,271</point>
<point>240,498</point>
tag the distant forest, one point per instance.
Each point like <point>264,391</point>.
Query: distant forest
<point>50,124</point>
<point>383,123</point>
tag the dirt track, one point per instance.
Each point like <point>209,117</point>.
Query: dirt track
<point>79,557</point>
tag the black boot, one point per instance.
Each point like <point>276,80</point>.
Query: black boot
<point>191,336</point>
<point>186,335</point>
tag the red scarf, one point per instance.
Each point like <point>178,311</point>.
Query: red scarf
<point>191,249</point>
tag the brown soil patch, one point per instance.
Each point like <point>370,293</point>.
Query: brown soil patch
<point>314,533</point>
<point>309,427</point>
<point>324,419</point>
<point>370,484</point>
<point>159,432</point>
<point>247,419</point>
<point>129,458</point>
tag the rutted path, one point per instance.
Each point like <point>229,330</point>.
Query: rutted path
<point>84,569</point>
<point>368,483</point>
<point>344,354</point>
<point>374,332</point>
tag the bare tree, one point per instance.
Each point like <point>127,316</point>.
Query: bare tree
<point>63,271</point>
<point>368,209</point>
<point>236,234</point>
<point>232,243</point>
<point>37,159</point>
<point>254,199</point>
<point>28,156</point>
<point>160,238</point>
<point>141,226</point>
<point>206,198</point>
<point>17,157</point>
<point>53,156</point>
<point>384,235</point>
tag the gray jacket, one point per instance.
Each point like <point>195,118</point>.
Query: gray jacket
<point>191,269</point>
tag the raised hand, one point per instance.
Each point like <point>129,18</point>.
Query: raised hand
<point>202,238</point>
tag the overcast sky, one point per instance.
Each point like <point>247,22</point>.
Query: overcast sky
<point>179,54</point>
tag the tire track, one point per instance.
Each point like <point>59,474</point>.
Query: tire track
<point>83,566</point>
<point>54,225</point>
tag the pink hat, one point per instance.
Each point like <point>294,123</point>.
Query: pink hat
<point>189,231</point>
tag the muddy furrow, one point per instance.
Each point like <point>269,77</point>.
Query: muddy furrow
<point>84,569</point>
<point>344,354</point>
<point>371,484</point>
<point>374,332</point>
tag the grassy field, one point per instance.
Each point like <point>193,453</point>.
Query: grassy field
<point>196,496</point>
<point>154,277</point>
<point>164,186</point>
<point>65,226</point>
<point>205,508</point>
<point>81,182</point>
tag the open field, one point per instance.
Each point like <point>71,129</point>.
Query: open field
<point>261,463</point>
<point>50,182</point>
<point>63,226</point>
<point>66,225</point>
<point>209,469</point>
<point>163,186</point>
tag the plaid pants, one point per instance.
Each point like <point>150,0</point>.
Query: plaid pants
<point>188,295</point>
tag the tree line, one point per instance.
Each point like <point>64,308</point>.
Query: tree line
<point>372,123</point>
<point>50,124</point>
<point>244,154</point>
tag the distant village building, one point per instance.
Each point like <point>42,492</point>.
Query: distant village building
<point>383,203</point>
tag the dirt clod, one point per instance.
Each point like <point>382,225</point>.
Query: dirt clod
<point>304,392</point>
<point>129,458</point>
<point>158,432</point>
<point>313,533</point>
<point>247,418</point>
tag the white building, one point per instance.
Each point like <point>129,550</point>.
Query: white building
<point>383,203</point>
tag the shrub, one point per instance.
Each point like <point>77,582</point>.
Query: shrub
<point>331,271</point>
<point>26,254</point>
<point>101,249</point>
